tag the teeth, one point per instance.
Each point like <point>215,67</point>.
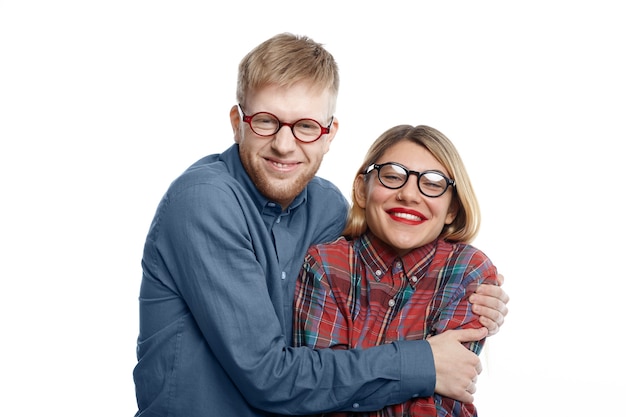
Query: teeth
<point>408,216</point>
<point>279,165</point>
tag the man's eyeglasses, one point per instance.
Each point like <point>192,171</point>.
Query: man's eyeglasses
<point>393,175</point>
<point>266,124</point>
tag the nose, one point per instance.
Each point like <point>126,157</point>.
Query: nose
<point>410,191</point>
<point>284,141</point>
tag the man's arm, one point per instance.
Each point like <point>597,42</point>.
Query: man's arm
<point>204,238</point>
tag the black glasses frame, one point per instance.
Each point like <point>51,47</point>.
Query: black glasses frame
<point>323,130</point>
<point>419,175</point>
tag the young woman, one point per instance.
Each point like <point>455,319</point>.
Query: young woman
<point>404,268</point>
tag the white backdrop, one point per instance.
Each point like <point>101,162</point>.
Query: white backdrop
<point>103,103</point>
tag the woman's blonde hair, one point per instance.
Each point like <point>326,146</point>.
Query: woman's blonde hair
<point>284,60</point>
<point>464,227</point>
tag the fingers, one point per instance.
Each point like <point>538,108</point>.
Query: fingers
<point>466,367</point>
<point>489,302</point>
<point>456,367</point>
<point>494,292</point>
<point>500,279</point>
<point>471,388</point>
<point>491,307</point>
<point>490,319</point>
<point>466,395</point>
<point>469,335</point>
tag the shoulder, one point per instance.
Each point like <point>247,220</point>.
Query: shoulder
<point>320,189</point>
<point>333,255</point>
<point>467,251</point>
<point>330,261</point>
<point>207,181</point>
<point>327,209</point>
<point>337,246</point>
<point>204,171</point>
<point>206,189</point>
<point>460,250</point>
<point>467,258</point>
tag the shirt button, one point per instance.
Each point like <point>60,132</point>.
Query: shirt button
<point>398,265</point>
<point>414,278</point>
<point>283,275</point>
<point>392,303</point>
<point>355,405</point>
<point>378,272</point>
<point>278,220</point>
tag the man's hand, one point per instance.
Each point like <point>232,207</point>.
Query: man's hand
<point>457,368</point>
<point>489,302</point>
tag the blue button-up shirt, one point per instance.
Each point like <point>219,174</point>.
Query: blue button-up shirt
<point>219,270</point>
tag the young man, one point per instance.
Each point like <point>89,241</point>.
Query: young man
<point>223,253</point>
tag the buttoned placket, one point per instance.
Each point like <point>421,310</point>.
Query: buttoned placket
<point>399,295</point>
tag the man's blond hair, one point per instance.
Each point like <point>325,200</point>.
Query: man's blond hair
<point>285,60</point>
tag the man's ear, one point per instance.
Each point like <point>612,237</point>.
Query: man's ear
<point>235,122</point>
<point>331,135</point>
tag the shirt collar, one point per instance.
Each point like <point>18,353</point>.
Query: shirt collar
<point>380,257</point>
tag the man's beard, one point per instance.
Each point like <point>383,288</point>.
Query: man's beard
<point>282,191</point>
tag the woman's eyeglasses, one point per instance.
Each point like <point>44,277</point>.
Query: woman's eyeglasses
<point>393,176</point>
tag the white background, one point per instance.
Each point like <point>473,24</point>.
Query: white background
<point>103,103</point>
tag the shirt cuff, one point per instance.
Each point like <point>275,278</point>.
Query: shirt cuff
<point>418,368</point>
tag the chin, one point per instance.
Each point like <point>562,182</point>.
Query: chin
<point>286,192</point>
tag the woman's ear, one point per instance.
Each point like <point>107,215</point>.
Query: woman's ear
<point>360,191</point>
<point>453,210</point>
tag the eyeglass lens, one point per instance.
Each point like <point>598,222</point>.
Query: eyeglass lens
<point>266,124</point>
<point>430,183</point>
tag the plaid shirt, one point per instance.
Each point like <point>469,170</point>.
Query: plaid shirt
<point>360,293</point>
